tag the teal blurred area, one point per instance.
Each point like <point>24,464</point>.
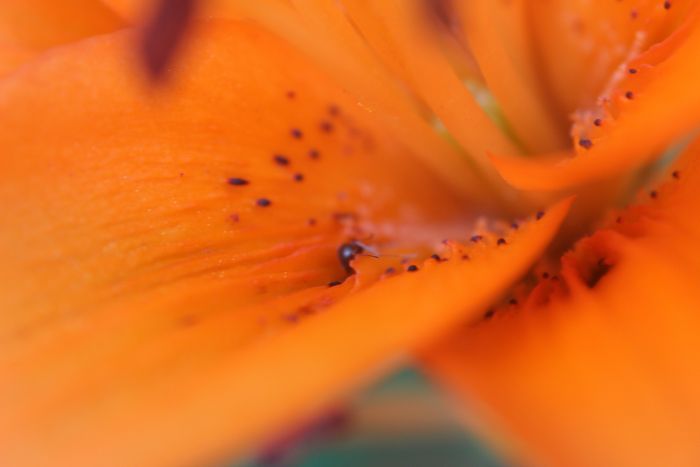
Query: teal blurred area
<point>402,421</point>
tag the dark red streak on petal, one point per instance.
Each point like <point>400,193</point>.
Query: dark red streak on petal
<point>163,33</point>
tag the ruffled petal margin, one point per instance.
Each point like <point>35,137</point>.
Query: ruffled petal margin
<point>649,108</point>
<point>600,365</point>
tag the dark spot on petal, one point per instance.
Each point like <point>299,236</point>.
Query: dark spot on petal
<point>676,174</point>
<point>291,94</point>
<point>334,110</point>
<point>292,317</point>
<point>236,181</point>
<point>598,122</point>
<point>545,275</point>
<point>235,217</point>
<point>476,238</point>
<point>334,283</point>
<point>326,126</point>
<point>436,257</point>
<point>539,215</point>
<point>585,143</point>
<point>305,310</point>
<point>314,154</point>
<point>512,301</point>
<point>280,159</point>
<point>632,71</point>
<point>667,5</point>
<point>298,177</point>
<point>465,257</point>
<point>390,270</point>
<point>311,221</point>
<point>597,273</point>
<point>629,95</point>
<point>412,268</point>
<point>653,194</point>
<point>296,133</point>
<point>263,202</point>
<point>489,314</point>
<point>501,241</point>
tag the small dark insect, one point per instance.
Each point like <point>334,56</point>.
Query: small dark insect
<point>348,251</point>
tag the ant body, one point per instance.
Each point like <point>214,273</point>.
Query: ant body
<point>348,251</point>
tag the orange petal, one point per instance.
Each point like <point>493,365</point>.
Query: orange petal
<point>499,37</point>
<point>29,26</point>
<point>647,111</point>
<point>581,43</point>
<point>321,29</point>
<point>602,368</point>
<point>145,290</point>
<point>12,55</point>
<point>43,23</point>
<point>380,64</point>
<point>417,50</point>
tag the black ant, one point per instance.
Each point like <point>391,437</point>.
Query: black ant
<point>348,251</point>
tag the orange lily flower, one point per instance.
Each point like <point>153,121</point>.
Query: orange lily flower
<point>171,288</point>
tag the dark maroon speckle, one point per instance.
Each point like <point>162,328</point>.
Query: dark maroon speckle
<point>412,268</point>
<point>263,202</point>
<point>585,143</point>
<point>296,133</point>
<point>280,159</point>
<point>235,181</point>
<point>298,177</point>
